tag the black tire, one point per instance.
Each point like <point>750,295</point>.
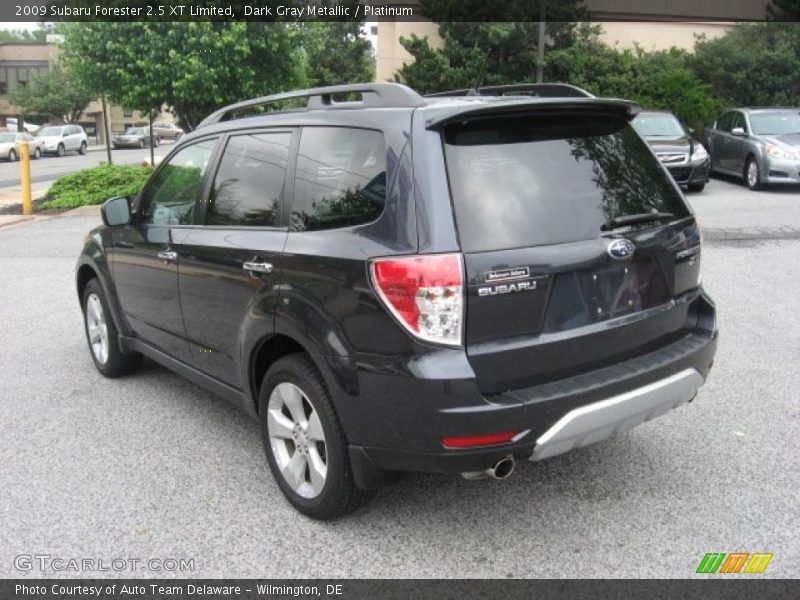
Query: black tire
<point>696,187</point>
<point>82,149</point>
<point>116,364</point>
<point>339,495</point>
<point>755,184</point>
<point>12,156</point>
<point>37,153</point>
<point>141,143</point>
<point>61,151</point>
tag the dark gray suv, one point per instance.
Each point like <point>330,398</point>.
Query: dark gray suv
<point>760,145</point>
<point>395,283</point>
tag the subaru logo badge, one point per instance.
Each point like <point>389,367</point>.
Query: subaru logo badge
<point>620,249</point>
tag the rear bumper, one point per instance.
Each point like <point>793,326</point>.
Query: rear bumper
<point>558,415</point>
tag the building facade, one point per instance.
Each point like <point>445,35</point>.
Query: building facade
<point>20,62</point>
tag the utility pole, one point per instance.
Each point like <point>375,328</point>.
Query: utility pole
<point>542,34</point>
<point>152,145</point>
<point>105,128</point>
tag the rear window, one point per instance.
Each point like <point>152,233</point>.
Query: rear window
<point>540,180</point>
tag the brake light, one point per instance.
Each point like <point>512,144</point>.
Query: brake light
<point>474,441</point>
<point>425,293</point>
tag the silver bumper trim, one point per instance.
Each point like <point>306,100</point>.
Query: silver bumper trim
<point>599,420</point>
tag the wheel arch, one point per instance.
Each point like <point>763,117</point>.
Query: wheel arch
<point>265,354</point>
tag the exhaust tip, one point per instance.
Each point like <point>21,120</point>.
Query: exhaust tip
<point>503,467</point>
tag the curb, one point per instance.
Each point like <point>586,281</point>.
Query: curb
<point>83,211</point>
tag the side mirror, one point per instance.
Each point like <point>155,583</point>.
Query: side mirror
<point>692,131</point>
<point>116,211</point>
<point>738,131</point>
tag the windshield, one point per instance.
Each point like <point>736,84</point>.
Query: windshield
<point>134,131</point>
<point>51,131</point>
<point>531,181</point>
<point>7,137</point>
<point>661,125</point>
<point>775,123</point>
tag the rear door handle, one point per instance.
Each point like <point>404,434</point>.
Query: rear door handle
<point>257,267</point>
<point>168,255</point>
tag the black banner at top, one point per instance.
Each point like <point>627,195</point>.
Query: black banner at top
<point>379,10</point>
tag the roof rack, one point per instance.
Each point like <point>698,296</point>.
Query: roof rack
<point>385,95</point>
<point>542,90</point>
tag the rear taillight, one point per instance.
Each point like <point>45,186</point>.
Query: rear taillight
<point>476,441</point>
<point>425,293</point>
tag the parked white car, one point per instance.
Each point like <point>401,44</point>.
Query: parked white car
<point>11,125</point>
<point>60,139</point>
<point>9,145</point>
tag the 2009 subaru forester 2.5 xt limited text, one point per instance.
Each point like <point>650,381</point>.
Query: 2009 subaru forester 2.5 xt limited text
<point>396,283</point>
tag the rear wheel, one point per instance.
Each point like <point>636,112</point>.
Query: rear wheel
<point>12,155</point>
<point>102,335</point>
<point>304,442</point>
<point>751,174</point>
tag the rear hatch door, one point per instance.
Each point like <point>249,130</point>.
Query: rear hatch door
<point>577,244</point>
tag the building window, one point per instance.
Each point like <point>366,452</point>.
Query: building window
<point>3,87</point>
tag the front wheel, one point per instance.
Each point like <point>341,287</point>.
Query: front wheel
<point>61,151</point>
<point>12,156</point>
<point>82,149</point>
<point>305,446</point>
<point>37,153</point>
<point>102,335</point>
<point>752,176</point>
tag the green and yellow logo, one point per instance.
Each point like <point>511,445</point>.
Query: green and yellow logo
<point>734,562</point>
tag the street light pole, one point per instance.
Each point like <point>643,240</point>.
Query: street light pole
<point>152,146</point>
<point>542,32</point>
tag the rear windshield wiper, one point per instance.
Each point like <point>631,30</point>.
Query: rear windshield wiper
<point>636,219</point>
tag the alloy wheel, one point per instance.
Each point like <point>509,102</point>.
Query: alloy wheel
<point>297,440</point>
<point>752,174</point>
<point>97,328</point>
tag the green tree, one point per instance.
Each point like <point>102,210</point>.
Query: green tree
<point>336,53</point>
<point>657,80</point>
<point>753,64</point>
<point>485,53</point>
<point>192,67</point>
<point>54,94</point>
<point>25,36</point>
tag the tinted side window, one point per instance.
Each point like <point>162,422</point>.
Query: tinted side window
<point>340,179</point>
<point>725,121</point>
<point>170,197</point>
<point>248,187</point>
<point>738,121</point>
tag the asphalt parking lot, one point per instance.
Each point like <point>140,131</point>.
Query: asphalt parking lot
<point>151,466</point>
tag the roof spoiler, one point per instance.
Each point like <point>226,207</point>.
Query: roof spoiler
<point>621,108</point>
<point>385,95</point>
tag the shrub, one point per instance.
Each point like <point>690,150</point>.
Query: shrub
<point>96,185</point>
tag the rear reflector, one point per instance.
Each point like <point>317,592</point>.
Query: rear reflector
<point>473,441</point>
<point>425,293</point>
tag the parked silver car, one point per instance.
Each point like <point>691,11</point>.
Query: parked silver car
<point>167,131</point>
<point>58,139</point>
<point>9,145</point>
<point>760,145</point>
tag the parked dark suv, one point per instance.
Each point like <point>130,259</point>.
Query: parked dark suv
<point>392,283</point>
